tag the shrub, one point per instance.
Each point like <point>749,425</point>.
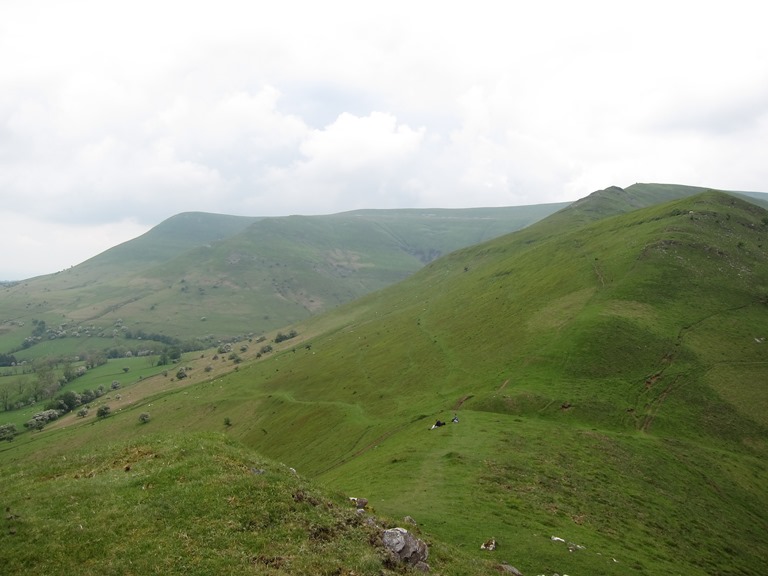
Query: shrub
<point>40,419</point>
<point>283,337</point>
<point>7,432</point>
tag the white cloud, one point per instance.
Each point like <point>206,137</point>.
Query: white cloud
<point>57,243</point>
<point>353,162</point>
<point>353,143</point>
<point>113,112</point>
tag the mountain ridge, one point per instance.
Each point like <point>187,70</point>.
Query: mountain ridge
<point>607,375</point>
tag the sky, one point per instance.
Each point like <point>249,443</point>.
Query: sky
<point>117,115</point>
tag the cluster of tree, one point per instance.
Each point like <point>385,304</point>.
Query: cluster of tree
<point>170,354</point>
<point>94,358</point>
<point>38,327</point>
<point>7,432</point>
<point>40,331</point>
<point>141,335</point>
<point>49,378</point>
<point>39,420</point>
<point>282,337</point>
<point>70,399</point>
<point>125,352</point>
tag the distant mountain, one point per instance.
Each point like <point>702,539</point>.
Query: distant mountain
<point>169,239</point>
<point>211,276</point>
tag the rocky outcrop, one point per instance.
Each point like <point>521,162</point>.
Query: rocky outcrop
<point>405,548</point>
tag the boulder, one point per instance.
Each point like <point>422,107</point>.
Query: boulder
<point>406,548</point>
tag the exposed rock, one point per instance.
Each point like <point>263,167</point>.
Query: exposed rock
<point>406,548</point>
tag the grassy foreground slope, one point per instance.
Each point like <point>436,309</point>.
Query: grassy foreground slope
<point>191,504</point>
<point>608,377</point>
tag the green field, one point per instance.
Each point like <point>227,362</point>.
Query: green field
<point>608,377</point>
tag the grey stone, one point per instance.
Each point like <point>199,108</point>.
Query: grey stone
<point>405,547</point>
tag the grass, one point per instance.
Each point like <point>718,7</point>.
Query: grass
<point>218,277</point>
<point>607,380</point>
<point>186,504</point>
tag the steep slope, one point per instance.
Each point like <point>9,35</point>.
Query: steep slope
<point>167,240</point>
<point>240,274</point>
<point>650,303</point>
<point>607,375</point>
<point>607,379</point>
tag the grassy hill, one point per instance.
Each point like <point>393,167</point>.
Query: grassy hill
<point>207,277</point>
<point>191,504</point>
<point>607,374</point>
<point>608,378</point>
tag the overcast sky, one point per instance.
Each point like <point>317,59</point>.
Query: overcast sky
<point>117,115</point>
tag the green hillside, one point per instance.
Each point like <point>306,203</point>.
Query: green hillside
<point>207,277</point>
<point>608,377</point>
<point>193,504</point>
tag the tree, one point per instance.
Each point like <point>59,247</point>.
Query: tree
<point>69,372</point>
<point>69,401</point>
<point>94,359</point>
<point>103,411</point>
<point>7,432</point>
<point>21,385</point>
<point>46,384</point>
<point>5,396</point>
<point>282,337</point>
<point>40,419</point>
